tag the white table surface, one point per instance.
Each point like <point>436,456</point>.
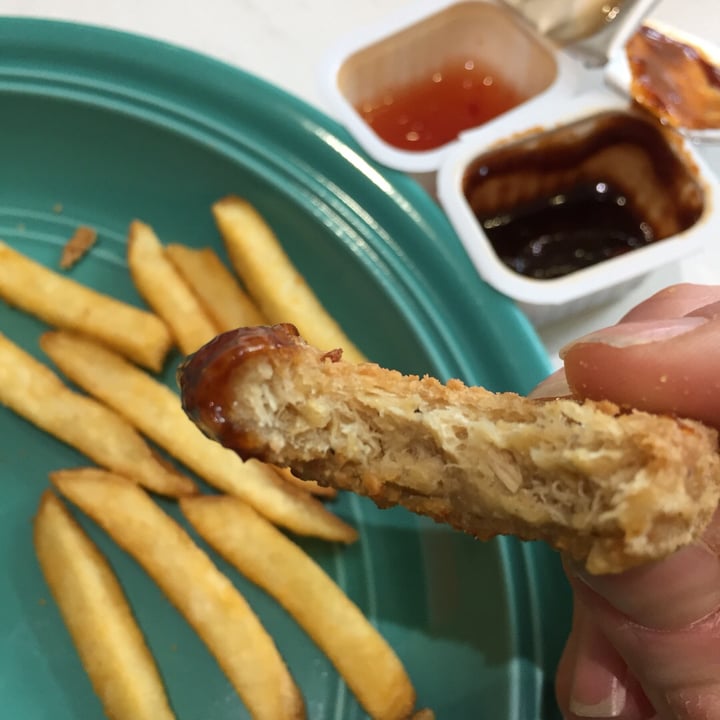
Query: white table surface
<point>284,41</point>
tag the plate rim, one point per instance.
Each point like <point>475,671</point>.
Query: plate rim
<point>527,350</point>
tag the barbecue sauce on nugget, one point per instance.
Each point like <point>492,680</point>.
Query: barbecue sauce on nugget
<point>205,378</point>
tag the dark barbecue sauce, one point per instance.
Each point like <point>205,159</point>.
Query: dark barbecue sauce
<point>556,235</point>
<point>558,202</point>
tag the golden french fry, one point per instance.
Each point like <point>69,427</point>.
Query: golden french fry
<point>265,556</point>
<point>35,392</point>
<point>155,410</point>
<point>165,291</point>
<point>60,301</point>
<point>310,486</point>
<point>108,640</point>
<point>210,603</point>
<point>215,287</point>
<point>272,280</point>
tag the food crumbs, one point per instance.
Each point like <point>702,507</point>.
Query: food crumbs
<point>424,714</point>
<point>81,241</point>
<point>663,378</point>
<point>20,227</point>
<point>42,602</point>
<point>57,208</point>
<point>173,647</point>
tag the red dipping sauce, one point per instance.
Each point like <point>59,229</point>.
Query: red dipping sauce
<point>435,110</point>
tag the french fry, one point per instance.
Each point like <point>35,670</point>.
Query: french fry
<point>165,291</point>
<point>272,280</point>
<point>314,488</point>
<point>62,302</point>
<point>92,604</point>
<point>156,411</point>
<point>265,556</point>
<point>215,287</point>
<point>35,392</point>
<point>210,603</point>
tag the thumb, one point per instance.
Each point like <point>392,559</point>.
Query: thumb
<point>662,366</point>
<point>664,620</point>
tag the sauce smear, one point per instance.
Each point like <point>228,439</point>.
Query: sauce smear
<point>673,80</point>
<point>434,110</point>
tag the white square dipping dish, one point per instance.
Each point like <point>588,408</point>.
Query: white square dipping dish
<point>548,299</point>
<point>420,43</point>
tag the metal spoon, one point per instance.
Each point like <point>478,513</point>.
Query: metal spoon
<point>617,22</point>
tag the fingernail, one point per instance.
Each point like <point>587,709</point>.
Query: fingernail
<point>610,705</point>
<point>638,333</point>
<point>598,688</point>
<point>556,385</point>
<point>668,594</point>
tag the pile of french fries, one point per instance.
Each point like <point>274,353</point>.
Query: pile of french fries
<point>113,351</point>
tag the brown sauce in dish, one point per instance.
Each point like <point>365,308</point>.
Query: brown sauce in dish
<point>673,80</point>
<point>435,110</point>
<point>575,196</point>
<point>555,235</point>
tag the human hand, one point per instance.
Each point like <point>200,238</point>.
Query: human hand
<point>646,643</point>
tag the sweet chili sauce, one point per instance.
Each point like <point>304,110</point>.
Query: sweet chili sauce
<point>432,111</point>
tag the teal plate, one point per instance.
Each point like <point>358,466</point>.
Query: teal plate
<point>98,128</point>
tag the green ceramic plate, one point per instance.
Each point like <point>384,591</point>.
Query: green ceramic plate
<point>98,127</point>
